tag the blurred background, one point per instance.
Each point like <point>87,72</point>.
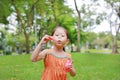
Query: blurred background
<point>93,25</point>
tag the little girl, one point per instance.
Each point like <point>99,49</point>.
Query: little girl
<point>56,61</point>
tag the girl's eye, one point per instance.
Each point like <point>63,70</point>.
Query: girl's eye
<point>56,35</point>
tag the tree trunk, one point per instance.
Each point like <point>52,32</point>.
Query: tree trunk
<point>78,34</point>
<point>78,27</point>
<point>71,48</point>
<point>115,45</point>
<point>114,49</point>
<point>114,39</point>
<point>27,43</point>
<point>23,27</point>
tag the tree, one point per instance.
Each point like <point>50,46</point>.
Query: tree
<point>42,16</point>
<point>2,38</point>
<point>90,16</point>
<point>5,10</point>
<point>115,10</point>
<point>25,15</point>
<point>78,26</point>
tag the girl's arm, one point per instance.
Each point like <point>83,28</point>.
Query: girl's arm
<point>37,54</point>
<point>73,71</point>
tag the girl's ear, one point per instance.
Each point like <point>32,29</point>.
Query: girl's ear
<point>67,41</point>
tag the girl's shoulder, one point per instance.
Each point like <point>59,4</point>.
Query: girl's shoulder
<point>68,55</point>
<point>48,51</point>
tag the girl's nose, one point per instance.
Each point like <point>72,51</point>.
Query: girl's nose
<point>59,37</point>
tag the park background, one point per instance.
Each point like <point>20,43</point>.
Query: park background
<point>24,22</point>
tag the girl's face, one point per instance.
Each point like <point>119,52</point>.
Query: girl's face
<point>59,37</point>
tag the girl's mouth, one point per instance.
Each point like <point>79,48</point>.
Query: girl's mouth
<point>59,41</point>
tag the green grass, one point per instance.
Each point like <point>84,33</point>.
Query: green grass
<point>101,51</point>
<point>88,67</point>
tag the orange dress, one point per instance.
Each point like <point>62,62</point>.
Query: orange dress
<point>54,67</point>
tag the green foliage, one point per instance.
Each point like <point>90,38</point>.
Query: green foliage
<point>91,36</point>
<point>112,1</point>
<point>106,37</point>
<point>2,39</point>
<point>100,39</point>
<point>49,14</point>
<point>88,67</point>
<point>83,37</point>
<point>68,21</point>
<point>4,10</point>
<point>118,36</point>
<point>7,53</point>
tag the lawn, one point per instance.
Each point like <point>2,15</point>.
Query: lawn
<point>88,67</point>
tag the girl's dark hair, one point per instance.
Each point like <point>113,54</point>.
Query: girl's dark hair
<point>64,30</point>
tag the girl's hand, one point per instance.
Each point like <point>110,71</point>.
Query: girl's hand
<point>68,65</point>
<point>46,38</point>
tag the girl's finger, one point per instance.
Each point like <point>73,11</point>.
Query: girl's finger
<point>50,38</point>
